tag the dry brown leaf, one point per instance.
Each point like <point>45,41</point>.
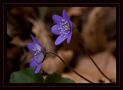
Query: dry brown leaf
<point>85,67</point>
<point>18,42</point>
<point>54,64</point>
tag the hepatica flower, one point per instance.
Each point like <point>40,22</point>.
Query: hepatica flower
<point>38,56</point>
<point>63,28</point>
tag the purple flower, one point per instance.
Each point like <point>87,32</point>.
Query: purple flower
<point>63,28</point>
<point>38,56</point>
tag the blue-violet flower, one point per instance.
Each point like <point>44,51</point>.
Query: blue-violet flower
<point>38,55</point>
<point>63,28</point>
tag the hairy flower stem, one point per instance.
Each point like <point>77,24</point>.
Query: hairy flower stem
<point>70,67</point>
<point>98,67</point>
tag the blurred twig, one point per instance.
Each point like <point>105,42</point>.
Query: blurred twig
<point>70,67</point>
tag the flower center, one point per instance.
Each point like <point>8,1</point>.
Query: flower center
<point>65,25</point>
<point>37,49</point>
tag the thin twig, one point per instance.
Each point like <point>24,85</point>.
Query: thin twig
<point>70,67</point>
<point>98,67</point>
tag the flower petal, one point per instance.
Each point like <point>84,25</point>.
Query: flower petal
<point>33,63</point>
<point>39,58</point>
<point>60,39</point>
<point>69,37</point>
<point>55,30</point>
<point>57,19</point>
<point>37,70</point>
<point>65,15</point>
<point>71,25</point>
<point>33,48</point>
<point>35,40</point>
<point>30,47</point>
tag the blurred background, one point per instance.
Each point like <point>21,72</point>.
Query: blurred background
<point>94,29</point>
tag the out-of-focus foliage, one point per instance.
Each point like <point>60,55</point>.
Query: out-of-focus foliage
<point>56,78</point>
<point>27,76</point>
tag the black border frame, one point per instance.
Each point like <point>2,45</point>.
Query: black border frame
<point>1,41</point>
<point>5,84</point>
